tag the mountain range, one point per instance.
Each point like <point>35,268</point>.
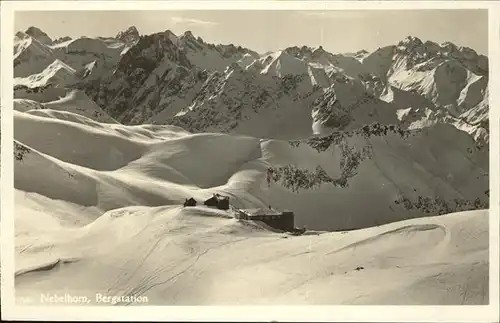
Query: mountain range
<point>299,91</point>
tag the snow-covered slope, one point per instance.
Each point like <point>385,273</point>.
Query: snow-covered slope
<point>33,56</point>
<point>127,184</point>
<point>57,73</point>
<point>74,104</point>
<point>30,55</point>
<point>382,164</point>
<point>176,256</point>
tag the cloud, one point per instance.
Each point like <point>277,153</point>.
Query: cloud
<point>192,22</point>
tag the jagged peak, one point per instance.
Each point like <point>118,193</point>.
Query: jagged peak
<point>306,52</point>
<point>319,51</point>
<point>188,35</point>
<point>448,49</point>
<point>163,47</point>
<point>231,49</point>
<point>129,35</point>
<point>298,51</point>
<point>410,41</point>
<point>166,35</point>
<point>34,32</point>
<point>132,29</point>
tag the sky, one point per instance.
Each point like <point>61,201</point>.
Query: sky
<point>338,31</point>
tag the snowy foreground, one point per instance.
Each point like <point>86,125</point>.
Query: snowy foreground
<point>198,257</point>
<point>99,211</point>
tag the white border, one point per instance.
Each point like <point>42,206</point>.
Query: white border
<point>242,313</point>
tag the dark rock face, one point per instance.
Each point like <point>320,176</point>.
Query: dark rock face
<point>149,51</point>
<point>140,76</point>
<point>39,35</point>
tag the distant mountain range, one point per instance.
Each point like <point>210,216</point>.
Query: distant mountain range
<point>293,93</point>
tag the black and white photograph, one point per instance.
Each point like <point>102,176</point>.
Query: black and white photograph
<point>250,157</point>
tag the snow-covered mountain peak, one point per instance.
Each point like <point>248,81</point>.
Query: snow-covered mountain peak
<point>281,63</point>
<point>411,42</point>
<point>308,54</point>
<point>446,49</point>
<point>229,51</point>
<point>298,52</point>
<point>449,46</point>
<point>418,52</point>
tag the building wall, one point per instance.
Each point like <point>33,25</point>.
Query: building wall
<point>283,222</point>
